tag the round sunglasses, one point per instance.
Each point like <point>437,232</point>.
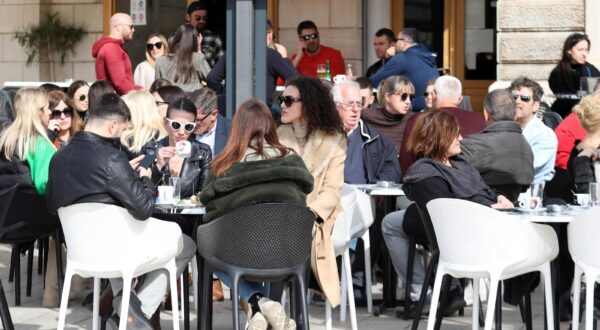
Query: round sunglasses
<point>175,125</point>
<point>404,96</point>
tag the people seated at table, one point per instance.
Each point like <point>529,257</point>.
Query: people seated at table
<point>25,156</point>
<point>429,95</point>
<point>211,128</point>
<point>312,127</point>
<point>583,161</point>
<point>393,111</point>
<point>92,169</point>
<point>144,74</point>
<point>145,125</point>
<point>439,172</point>
<point>528,95</point>
<point>191,169</point>
<point>366,92</point>
<point>448,94</point>
<point>78,97</point>
<point>500,152</point>
<point>165,95</point>
<point>254,168</point>
<point>66,118</point>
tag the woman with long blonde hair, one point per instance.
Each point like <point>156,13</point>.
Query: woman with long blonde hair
<point>146,124</point>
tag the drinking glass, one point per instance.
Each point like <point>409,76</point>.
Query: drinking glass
<point>176,184</point>
<point>594,196</point>
<point>321,69</point>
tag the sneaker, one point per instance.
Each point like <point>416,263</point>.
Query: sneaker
<point>258,322</point>
<point>275,314</point>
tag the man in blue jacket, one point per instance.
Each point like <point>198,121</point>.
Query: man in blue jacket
<point>412,60</point>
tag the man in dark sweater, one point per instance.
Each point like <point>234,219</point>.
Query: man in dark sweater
<point>448,91</point>
<point>500,152</point>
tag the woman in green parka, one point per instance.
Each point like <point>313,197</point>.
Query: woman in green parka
<point>255,168</point>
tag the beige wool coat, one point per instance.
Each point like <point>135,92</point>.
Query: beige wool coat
<point>324,156</point>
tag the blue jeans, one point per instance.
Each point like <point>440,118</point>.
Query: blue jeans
<point>246,289</point>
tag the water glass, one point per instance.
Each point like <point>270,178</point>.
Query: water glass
<point>176,184</point>
<point>537,190</point>
<point>594,194</point>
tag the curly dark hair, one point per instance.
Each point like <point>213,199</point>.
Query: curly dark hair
<point>317,106</point>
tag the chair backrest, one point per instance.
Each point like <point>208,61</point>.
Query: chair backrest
<point>583,237</point>
<point>106,236</point>
<point>6,196</point>
<point>363,214</point>
<point>551,119</point>
<point>262,236</point>
<point>471,234</point>
<point>6,108</point>
<point>341,234</point>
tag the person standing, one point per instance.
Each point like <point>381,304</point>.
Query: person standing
<point>311,53</point>
<point>112,62</point>
<point>212,45</point>
<point>156,46</point>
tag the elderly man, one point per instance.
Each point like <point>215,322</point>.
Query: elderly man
<point>212,45</point>
<point>528,94</point>
<point>310,53</point>
<point>412,60</point>
<point>448,92</point>
<point>112,62</point>
<point>500,152</point>
<point>211,128</point>
<point>384,39</point>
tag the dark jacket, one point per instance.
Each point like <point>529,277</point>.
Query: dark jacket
<point>275,180</point>
<point>500,153</point>
<point>380,155</point>
<point>559,84</point>
<point>194,170</point>
<point>417,64</point>
<point>93,169</point>
<point>221,134</point>
<point>581,170</point>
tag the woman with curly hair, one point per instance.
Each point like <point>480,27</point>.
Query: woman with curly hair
<point>311,125</point>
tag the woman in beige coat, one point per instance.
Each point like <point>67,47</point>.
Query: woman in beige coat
<point>312,127</point>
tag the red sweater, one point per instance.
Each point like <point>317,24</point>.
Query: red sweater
<point>113,64</point>
<point>308,64</point>
<point>567,132</point>
<point>469,123</point>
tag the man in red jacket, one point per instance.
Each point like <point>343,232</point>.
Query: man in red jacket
<point>112,62</point>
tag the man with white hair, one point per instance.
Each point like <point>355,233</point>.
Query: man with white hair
<point>448,92</point>
<point>112,62</point>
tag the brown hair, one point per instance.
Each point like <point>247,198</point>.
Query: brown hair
<point>252,124</point>
<point>588,112</point>
<point>433,133</point>
<point>77,125</point>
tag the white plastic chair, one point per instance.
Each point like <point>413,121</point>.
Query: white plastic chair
<point>105,241</point>
<point>341,237</point>
<point>476,241</point>
<point>583,246</point>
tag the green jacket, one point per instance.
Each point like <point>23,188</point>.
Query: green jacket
<point>39,164</point>
<point>275,180</point>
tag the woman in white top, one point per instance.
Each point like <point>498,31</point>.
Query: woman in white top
<point>156,46</point>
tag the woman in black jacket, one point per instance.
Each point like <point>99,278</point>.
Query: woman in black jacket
<point>565,78</point>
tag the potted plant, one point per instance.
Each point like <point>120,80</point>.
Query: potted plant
<point>50,38</point>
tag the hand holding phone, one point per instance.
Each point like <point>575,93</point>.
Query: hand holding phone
<point>147,161</point>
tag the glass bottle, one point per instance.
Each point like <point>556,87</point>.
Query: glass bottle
<point>327,71</point>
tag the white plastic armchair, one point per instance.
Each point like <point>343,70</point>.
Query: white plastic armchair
<point>105,241</point>
<point>341,237</point>
<point>476,241</point>
<point>583,246</point>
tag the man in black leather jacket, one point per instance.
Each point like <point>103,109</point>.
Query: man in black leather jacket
<point>92,168</point>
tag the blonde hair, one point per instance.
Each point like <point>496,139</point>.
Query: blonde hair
<point>391,85</point>
<point>165,45</point>
<point>146,124</point>
<point>588,111</point>
<point>21,136</point>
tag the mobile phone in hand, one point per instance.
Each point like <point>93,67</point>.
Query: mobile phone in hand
<point>147,161</point>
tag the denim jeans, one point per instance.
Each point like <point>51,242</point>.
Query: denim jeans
<point>246,289</point>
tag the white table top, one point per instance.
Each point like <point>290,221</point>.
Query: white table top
<point>565,216</point>
<point>373,190</point>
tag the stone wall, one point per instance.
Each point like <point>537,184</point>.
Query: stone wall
<point>16,15</point>
<point>339,23</point>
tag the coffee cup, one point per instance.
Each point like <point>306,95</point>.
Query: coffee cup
<point>183,148</point>
<point>339,78</point>
<point>165,194</point>
<point>530,202</point>
<point>583,199</point>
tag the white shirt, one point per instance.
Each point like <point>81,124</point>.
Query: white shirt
<point>543,143</point>
<point>209,138</point>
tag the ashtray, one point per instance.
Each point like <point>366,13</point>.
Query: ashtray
<point>385,184</point>
<point>555,208</point>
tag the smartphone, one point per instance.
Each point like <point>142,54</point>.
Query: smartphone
<point>147,161</point>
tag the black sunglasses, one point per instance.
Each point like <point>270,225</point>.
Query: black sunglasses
<point>524,98</point>
<point>68,112</point>
<point>288,100</point>
<point>403,96</point>
<point>310,36</point>
<point>175,125</point>
<point>158,45</point>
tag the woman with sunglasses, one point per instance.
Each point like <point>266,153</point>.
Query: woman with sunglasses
<point>145,125</point>
<point>67,120</point>
<point>395,95</point>
<point>78,97</point>
<point>156,46</point>
<point>565,78</point>
<point>429,94</point>
<point>185,65</point>
<point>180,122</point>
<point>311,125</point>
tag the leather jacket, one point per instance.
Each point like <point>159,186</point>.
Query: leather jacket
<point>194,170</point>
<point>93,169</point>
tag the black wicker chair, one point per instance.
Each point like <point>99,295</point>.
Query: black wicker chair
<point>263,242</point>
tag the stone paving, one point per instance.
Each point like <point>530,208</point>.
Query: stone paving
<point>31,316</point>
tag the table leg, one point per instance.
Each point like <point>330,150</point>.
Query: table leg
<point>390,279</point>
<point>185,309</point>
